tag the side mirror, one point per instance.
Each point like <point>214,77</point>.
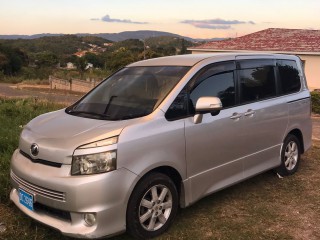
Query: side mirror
<point>208,104</point>
<point>204,105</point>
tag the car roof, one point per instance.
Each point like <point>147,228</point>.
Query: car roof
<point>192,59</point>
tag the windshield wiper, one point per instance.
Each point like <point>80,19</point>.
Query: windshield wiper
<point>109,103</point>
<point>89,113</point>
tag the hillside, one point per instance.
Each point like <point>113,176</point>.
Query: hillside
<point>143,34</point>
<point>38,58</point>
<point>167,41</point>
<point>115,37</point>
<point>59,45</point>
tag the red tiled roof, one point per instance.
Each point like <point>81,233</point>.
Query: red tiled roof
<point>272,39</point>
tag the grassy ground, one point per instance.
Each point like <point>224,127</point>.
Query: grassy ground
<point>264,207</point>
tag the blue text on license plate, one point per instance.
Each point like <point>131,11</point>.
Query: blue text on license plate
<point>26,199</point>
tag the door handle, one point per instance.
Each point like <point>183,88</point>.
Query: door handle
<point>250,112</point>
<point>236,115</point>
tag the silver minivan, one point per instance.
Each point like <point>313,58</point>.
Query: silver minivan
<point>158,135</point>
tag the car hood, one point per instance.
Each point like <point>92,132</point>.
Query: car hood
<point>58,134</point>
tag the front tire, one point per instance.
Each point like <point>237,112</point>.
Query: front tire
<point>290,156</point>
<point>152,206</point>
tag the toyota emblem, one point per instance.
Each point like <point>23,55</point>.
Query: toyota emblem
<point>34,149</point>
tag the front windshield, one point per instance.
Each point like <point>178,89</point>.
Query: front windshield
<point>130,93</point>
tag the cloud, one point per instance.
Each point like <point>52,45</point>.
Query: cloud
<point>107,18</point>
<point>215,23</point>
<point>211,26</point>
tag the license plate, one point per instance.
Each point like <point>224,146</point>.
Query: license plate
<point>26,199</point>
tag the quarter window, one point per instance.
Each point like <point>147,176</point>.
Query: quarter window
<point>179,107</point>
<point>289,76</point>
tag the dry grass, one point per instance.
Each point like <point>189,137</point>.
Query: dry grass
<point>263,207</point>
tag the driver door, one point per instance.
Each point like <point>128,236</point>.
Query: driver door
<point>213,146</point>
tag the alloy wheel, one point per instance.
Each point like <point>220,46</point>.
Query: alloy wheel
<point>155,207</point>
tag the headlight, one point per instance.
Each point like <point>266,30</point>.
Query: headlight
<point>98,160</point>
<point>100,143</point>
<point>94,163</point>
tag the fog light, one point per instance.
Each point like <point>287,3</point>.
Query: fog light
<point>90,219</point>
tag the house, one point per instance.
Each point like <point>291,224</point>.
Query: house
<point>89,66</point>
<point>80,53</point>
<point>107,44</point>
<point>70,65</point>
<point>301,42</point>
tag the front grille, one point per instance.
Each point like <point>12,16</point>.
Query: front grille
<point>52,211</point>
<point>32,188</point>
<point>44,162</point>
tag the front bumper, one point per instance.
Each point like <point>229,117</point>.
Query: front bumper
<point>105,194</point>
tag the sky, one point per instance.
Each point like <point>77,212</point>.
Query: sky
<point>191,18</point>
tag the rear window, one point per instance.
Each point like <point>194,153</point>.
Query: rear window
<point>289,76</point>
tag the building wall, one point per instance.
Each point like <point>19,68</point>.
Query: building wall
<point>312,68</point>
<point>82,86</point>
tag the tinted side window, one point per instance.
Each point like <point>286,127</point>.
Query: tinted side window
<point>219,85</point>
<point>257,83</point>
<point>289,76</point>
<point>211,70</point>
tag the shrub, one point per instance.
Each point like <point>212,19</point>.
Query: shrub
<point>315,99</point>
<point>14,114</point>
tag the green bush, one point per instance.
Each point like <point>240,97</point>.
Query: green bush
<point>315,99</point>
<point>14,114</point>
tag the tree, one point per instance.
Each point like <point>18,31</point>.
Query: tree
<point>120,58</point>
<point>16,63</point>
<point>46,59</point>
<point>11,60</point>
<point>3,60</point>
<point>183,47</point>
<point>70,58</point>
<point>81,64</point>
<point>96,60</point>
<point>170,50</point>
<point>149,53</point>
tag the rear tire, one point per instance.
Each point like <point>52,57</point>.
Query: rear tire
<point>152,206</point>
<point>290,156</point>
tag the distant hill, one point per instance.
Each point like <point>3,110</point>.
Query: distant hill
<point>59,45</point>
<point>64,46</point>
<point>115,37</point>
<point>143,34</point>
<point>16,36</point>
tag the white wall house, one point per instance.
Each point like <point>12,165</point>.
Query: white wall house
<point>304,43</point>
<point>70,65</point>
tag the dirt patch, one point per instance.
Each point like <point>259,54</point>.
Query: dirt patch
<point>30,86</point>
<point>41,92</point>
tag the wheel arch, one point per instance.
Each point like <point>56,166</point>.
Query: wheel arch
<point>298,134</point>
<point>173,174</point>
